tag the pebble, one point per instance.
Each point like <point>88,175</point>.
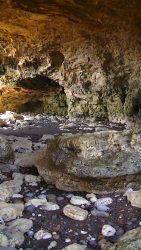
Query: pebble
<point>17,196</point>
<point>96,212</point>
<point>42,234</point>
<point>103,208</point>
<point>135,198</point>
<point>103,201</point>
<point>51,198</point>
<point>28,194</point>
<point>52,244</point>
<point>75,213</point>
<point>42,196</point>
<point>50,206</point>
<point>30,233</point>
<point>92,197</point>
<point>36,202</point>
<point>30,209</point>
<point>108,230</point>
<point>67,240</point>
<point>83,232</point>
<point>60,198</point>
<point>78,200</point>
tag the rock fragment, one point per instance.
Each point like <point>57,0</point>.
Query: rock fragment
<point>108,230</point>
<point>9,211</point>
<point>42,234</point>
<point>75,213</point>
<point>78,200</point>
<point>135,198</point>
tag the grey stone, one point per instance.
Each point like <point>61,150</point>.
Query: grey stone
<point>6,152</point>
<point>135,198</point>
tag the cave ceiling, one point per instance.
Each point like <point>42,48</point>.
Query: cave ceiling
<point>91,48</point>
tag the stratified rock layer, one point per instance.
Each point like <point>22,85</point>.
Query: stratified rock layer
<point>98,162</point>
<point>89,48</point>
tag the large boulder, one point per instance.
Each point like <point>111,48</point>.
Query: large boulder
<point>131,240</point>
<point>98,162</point>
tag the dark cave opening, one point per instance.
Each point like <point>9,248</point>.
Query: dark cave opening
<point>39,82</point>
<point>35,95</point>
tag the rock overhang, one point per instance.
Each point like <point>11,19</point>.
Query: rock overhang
<point>98,46</point>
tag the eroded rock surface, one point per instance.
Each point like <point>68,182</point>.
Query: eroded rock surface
<point>76,57</point>
<point>95,162</point>
<point>130,240</point>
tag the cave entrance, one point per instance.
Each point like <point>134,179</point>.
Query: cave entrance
<point>36,95</point>
<point>50,97</point>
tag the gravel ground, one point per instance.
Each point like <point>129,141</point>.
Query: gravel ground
<point>64,230</point>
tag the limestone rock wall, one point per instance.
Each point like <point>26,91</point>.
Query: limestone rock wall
<point>90,48</point>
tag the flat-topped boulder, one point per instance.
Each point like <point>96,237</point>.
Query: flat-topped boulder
<point>95,162</point>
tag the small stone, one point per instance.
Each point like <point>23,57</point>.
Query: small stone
<point>28,194</point>
<point>135,198</point>
<point>32,178</point>
<point>92,197</point>
<point>108,230</point>
<point>23,225</point>
<point>52,244</point>
<point>75,213</point>
<point>78,200</point>
<point>103,201</point>
<point>17,196</point>
<point>83,232</point>
<point>56,236</point>
<point>96,212</point>
<point>47,137</point>
<point>9,211</point>
<point>67,240</point>
<point>60,198</point>
<point>50,206</point>
<point>42,196</point>
<point>30,209</point>
<point>42,234</point>
<point>103,208</point>
<point>30,233</point>
<point>51,198</point>
<point>36,202</point>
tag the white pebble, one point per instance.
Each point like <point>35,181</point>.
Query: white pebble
<point>108,230</point>
<point>42,234</point>
<point>52,244</point>
<point>92,197</point>
<point>78,200</point>
<point>104,201</point>
<point>67,240</point>
<point>83,232</point>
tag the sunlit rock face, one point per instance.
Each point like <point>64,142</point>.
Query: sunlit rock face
<point>90,49</point>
